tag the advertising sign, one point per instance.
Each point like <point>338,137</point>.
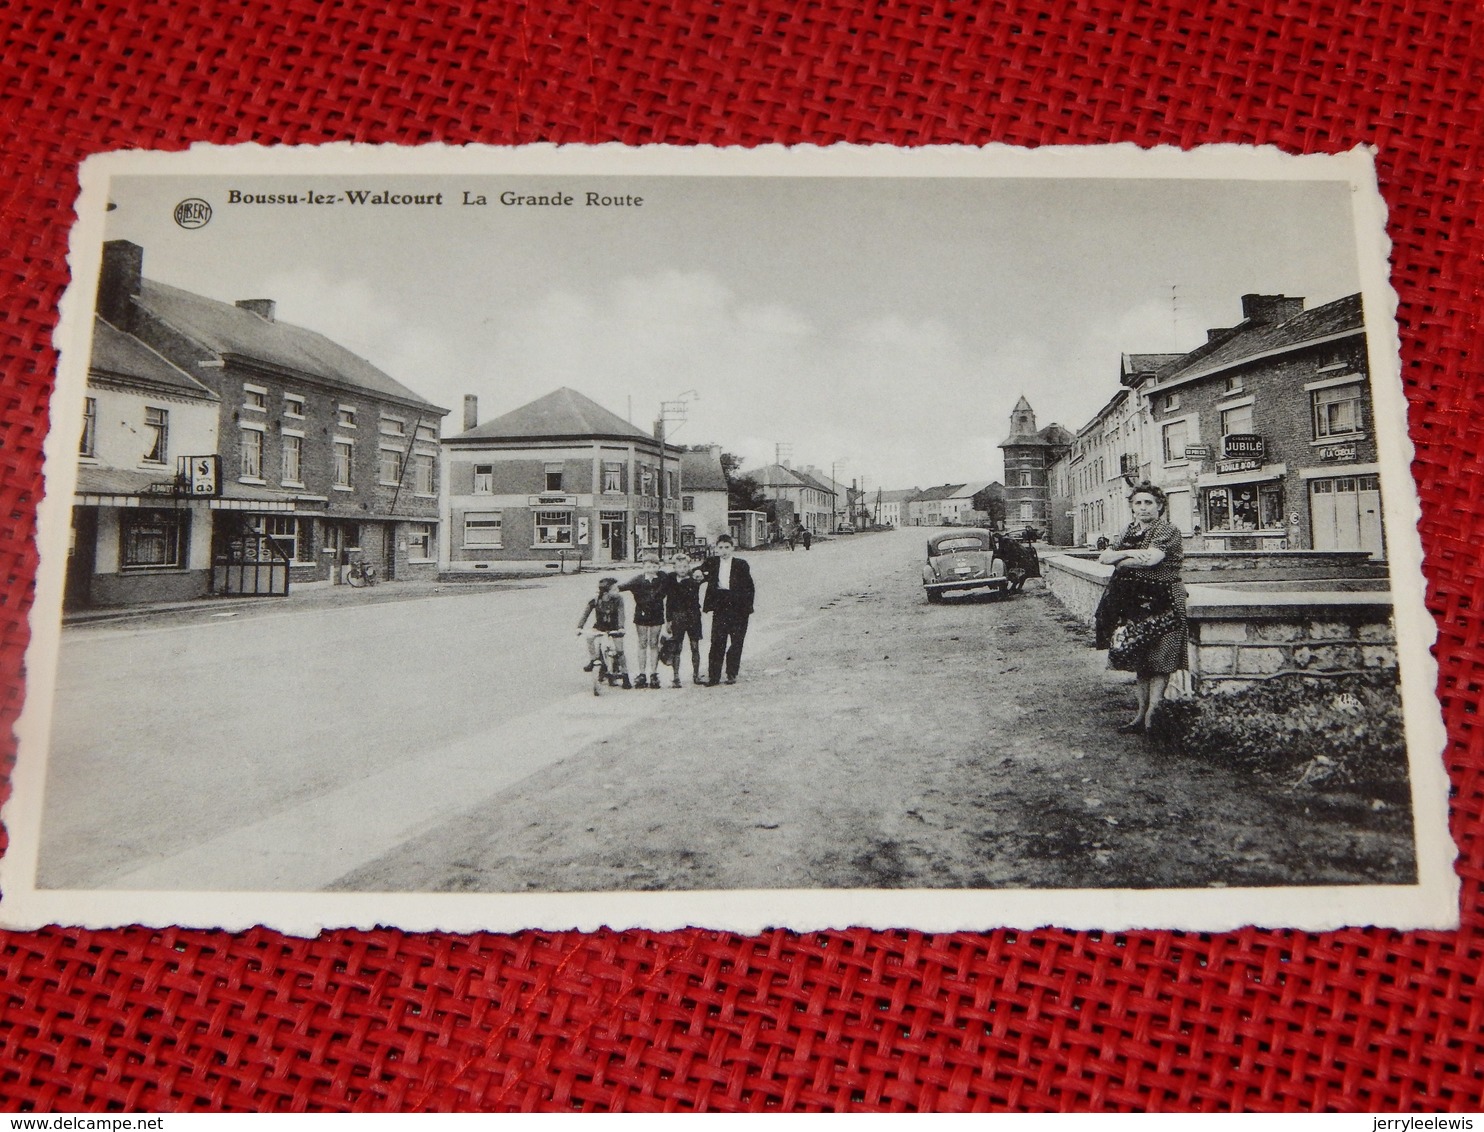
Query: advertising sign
<point>1242,446</point>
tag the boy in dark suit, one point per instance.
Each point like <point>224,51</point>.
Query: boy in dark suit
<point>729,597</point>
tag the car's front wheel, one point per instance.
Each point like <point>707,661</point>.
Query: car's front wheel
<point>934,596</point>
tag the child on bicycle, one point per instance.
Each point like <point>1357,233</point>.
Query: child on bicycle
<point>606,610</point>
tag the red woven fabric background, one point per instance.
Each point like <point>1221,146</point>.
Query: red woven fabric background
<point>851,1020</point>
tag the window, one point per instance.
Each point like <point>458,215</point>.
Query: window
<point>484,479</point>
<point>289,533</point>
<point>646,481</point>
<point>419,542</point>
<point>553,479</point>
<point>554,528</point>
<point>671,486</point>
<point>251,464</point>
<point>482,528</point>
<point>345,416</point>
<point>423,480</point>
<point>255,398</point>
<point>389,468</point>
<point>428,432</point>
<point>687,502</point>
<point>156,435</point>
<point>293,405</point>
<point>343,460</point>
<point>150,537</point>
<point>1172,402</point>
<point>86,446</point>
<point>1176,436</point>
<point>1244,507</point>
<point>1236,420</point>
<point>1234,385</point>
<point>612,477</point>
<point>1337,411</point>
<point>293,458</point>
<point>1027,511</point>
<point>393,426</point>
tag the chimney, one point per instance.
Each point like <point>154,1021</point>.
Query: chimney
<point>119,280</point>
<point>263,308</point>
<point>1217,332</point>
<point>471,411</point>
<point>1264,310</point>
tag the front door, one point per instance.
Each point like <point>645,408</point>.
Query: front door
<point>82,556</point>
<point>612,531</point>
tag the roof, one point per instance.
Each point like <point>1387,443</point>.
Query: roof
<point>1134,364</point>
<point>944,491</point>
<point>969,490</point>
<point>563,413</point>
<point>902,495</point>
<point>776,475</point>
<point>94,480</point>
<point>1248,340</point>
<point>701,470</point>
<point>124,358</point>
<point>229,330</point>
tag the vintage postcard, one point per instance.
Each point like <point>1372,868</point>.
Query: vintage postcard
<point>476,538</point>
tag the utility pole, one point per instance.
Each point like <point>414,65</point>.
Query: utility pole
<point>677,410</point>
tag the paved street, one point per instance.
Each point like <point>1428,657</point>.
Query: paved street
<point>452,743</point>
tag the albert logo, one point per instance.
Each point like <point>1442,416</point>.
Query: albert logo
<point>193,212</point>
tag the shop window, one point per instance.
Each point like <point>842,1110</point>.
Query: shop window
<point>251,462</point>
<point>1244,507</point>
<point>151,537</point>
<point>156,435</point>
<point>289,532</point>
<point>87,446</point>
<point>1337,411</point>
<point>554,528</point>
<point>420,542</point>
<point>483,528</point>
<point>293,458</point>
<point>484,479</point>
<point>553,477</point>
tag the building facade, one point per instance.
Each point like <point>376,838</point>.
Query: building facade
<point>1266,434</point>
<point>891,508</point>
<point>330,458</point>
<point>703,495</point>
<point>813,502</point>
<point>558,480</point>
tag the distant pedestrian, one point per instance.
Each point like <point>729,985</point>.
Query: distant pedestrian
<point>729,600</point>
<point>649,589</point>
<point>807,536</point>
<point>793,533</point>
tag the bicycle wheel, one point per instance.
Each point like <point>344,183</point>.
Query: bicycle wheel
<point>600,673</point>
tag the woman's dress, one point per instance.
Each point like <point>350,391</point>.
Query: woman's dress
<point>1166,653</point>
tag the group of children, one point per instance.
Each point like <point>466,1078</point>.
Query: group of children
<point>667,612</point>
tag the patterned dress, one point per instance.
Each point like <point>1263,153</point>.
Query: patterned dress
<point>1167,653</point>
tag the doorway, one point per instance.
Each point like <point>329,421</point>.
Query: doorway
<point>1345,514</point>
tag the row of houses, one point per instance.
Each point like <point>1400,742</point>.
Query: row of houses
<point>226,451</point>
<point>1263,438</point>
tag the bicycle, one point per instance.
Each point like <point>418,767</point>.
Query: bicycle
<point>610,667</point>
<point>361,574</point>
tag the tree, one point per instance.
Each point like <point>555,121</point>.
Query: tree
<point>743,492</point>
<point>991,500</point>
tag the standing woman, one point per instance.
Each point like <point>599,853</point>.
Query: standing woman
<point>1149,600</point>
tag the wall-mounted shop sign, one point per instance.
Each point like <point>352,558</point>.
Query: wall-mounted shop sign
<point>1337,452</point>
<point>1242,446</point>
<point>1223,466</point>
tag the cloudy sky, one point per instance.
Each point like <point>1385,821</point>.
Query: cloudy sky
<point>884,325</point>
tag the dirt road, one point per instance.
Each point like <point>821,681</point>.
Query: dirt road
<point>880,742</point>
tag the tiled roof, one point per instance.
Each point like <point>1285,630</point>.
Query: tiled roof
<point>227,329</point>
<point>946,491</point>
<point>902,495</point>
<point>124,358</point>
<point>700,470</point>
<point>563,413</point>
<point>776,475</point>
<point>1247,340</point>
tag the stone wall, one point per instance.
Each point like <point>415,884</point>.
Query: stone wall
<point>1239,637</point>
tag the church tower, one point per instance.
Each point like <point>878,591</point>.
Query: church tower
<point>1029,454</point>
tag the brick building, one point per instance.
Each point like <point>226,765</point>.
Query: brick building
<point>556,480</point>
<point>1265,434</point>
<point>1029,454</point>
<point>332,458</point>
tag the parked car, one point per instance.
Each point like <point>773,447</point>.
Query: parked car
<point>976,559</point>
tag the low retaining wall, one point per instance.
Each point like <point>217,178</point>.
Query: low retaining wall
<point>1239,637</point>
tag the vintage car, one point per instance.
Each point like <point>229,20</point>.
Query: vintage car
<point>976,559</point>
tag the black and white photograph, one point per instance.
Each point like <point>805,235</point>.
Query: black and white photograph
<point>569,537</point>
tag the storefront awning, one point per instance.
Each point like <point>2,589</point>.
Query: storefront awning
<point>122,487</point>
<point>1253,475</point>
